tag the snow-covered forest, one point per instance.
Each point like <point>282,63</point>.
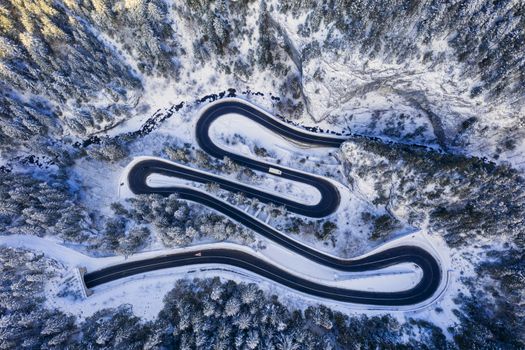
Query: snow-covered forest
<point>74,68</point>
<point>197,314</point>
<point>430,93</point>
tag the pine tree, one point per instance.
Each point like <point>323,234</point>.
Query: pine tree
<point>252,341</point>
<point>232,306</point>
<point>243,321</point>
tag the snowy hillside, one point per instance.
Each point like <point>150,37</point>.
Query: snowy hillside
<point>429,96</point>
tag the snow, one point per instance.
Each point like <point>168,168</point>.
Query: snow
<point>230,125</point>
<point>145,291</point>
<point>359,94</point>
<point>294,191</point>
<point>348,245</point>
<point>393,278</point>
<point>288,153</point>
<point>354,87</point>
<point>352,236</point>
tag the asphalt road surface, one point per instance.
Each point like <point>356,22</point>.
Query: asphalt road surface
<point>251,263</point>
<point>330,197</point>
<point>137,176</point>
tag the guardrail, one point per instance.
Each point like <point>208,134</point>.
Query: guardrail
<point>80,272</point>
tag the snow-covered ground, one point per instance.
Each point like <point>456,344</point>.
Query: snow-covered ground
<point>372,96</point>
<point>352,234</point>
<point>145,291</point>
<point>293,190</point>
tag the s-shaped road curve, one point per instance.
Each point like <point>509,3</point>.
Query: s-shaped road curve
<point>138,174</point>
<point>330,197</point>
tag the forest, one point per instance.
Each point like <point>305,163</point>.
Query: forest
<point>205,313</point>
<point>431,94</point>
<point>467,201</point>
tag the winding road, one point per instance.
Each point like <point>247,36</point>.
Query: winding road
<point>330,199</point>
<point>329,194</point>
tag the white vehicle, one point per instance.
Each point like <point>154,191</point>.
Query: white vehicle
<point>275,171</point>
